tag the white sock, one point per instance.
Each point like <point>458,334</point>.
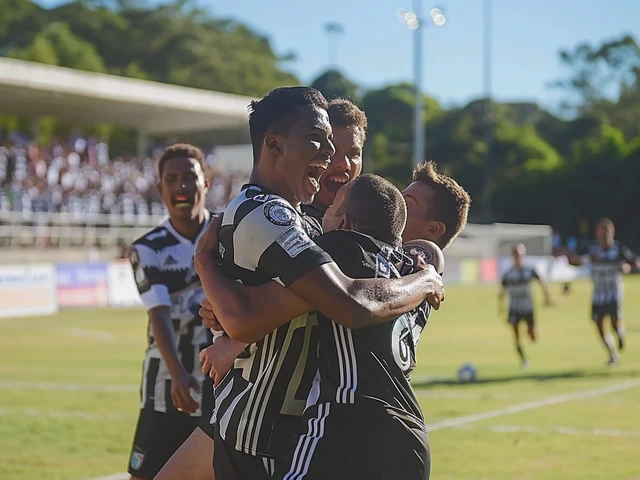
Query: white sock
<point>621,331</point>
<point>610,343</point>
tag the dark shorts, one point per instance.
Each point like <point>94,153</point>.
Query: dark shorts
<point>613,309</point>
<point>158,436</point>
<point>346,442</point>
<point>516,317</point>
<point>230,464</point>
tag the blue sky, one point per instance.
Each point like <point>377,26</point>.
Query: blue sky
<point>376,48</point>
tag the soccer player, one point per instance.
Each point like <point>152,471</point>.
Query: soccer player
<point>349,125</point>
<point>517,283</point>
<point>609,260</point>
<point>264,236</point>
<point>365,421</point>
<point>162,261</point>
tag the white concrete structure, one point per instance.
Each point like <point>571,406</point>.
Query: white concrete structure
<point>34,90</point>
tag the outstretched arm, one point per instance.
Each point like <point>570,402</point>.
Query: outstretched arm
<point>545,288</point>
<point>249,313</point>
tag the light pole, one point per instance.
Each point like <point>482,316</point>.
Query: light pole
<point>333,29</point>
<point>413,21</point>
<point>488,117</point>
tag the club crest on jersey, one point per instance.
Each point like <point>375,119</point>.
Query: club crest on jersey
<point>279,214</point>
<point>137,457</point>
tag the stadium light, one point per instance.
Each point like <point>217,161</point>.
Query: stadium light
<point>333,29</point>
<point>414,22</point>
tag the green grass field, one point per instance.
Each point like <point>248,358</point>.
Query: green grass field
<point>69,393</point>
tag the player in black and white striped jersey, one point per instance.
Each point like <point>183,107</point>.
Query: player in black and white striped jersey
<point>162,261</point>
<point>609,260</point>
<point>259,402</point>
<point>517,283</point>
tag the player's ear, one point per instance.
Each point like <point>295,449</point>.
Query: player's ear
<point>436,229</point>
<point>274,143</point>
<point>346,223</point>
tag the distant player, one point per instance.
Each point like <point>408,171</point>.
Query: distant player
<point>162,261</point>
<point>517,283</point>
<point>609,260</point>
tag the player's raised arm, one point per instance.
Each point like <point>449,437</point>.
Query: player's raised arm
<point>248,313</point>
<point>629,258</point>
<point>155,296</point>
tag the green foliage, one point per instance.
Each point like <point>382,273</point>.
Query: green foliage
<point>536,166</point>
<point>334,84</point>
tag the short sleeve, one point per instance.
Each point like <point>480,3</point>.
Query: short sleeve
<point>272,240</point>
<point>146,271</point>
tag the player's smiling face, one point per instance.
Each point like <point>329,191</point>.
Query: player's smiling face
<point>304,154</point>
<point>183,188</point>
<point>346,163</point>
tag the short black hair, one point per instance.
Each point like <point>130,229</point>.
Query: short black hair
<point>376,208</point>
<point>182,150</point>
<point>451,201</point>
<point>345,113</point>
<point>275,112</point>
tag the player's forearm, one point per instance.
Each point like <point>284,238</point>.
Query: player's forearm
<point>230,301</point>
<point>385,299</point>
<point>163,336</point>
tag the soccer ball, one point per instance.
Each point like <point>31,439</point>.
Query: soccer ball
<point>467,373</point>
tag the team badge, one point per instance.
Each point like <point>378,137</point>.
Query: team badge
<point>279,214</point>
<point>137,457</point>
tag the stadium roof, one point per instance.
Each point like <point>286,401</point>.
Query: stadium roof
<point>33,90</point>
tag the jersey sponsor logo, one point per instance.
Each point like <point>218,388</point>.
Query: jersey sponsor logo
<point>137,457</point>
<point>279,214</point>
<point>294,241</point>
<point>262,197</point>
<point>400,337</point>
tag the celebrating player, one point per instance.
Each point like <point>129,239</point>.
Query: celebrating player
<point>162,261</point>
<point>264,236</point>
<point>609,260</point>
<point>349,125</point>
<point>517,282</point>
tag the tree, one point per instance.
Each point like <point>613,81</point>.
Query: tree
<point>333,84</point>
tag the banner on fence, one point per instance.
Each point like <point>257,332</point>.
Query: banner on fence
<point>123,291</point>
<point>82,284</point>
<point>27,290</point>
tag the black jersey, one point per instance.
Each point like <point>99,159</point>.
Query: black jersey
<point>606,273</point>
<point>517,281</point>
<point>264,238</point>
<point>368,366</point>
<point>162,262</point>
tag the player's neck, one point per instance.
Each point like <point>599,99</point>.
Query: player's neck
<point>272,183</point>
<point>189,228</point>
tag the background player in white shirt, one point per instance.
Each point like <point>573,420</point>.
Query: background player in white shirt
<point>162,261</point>
<point>609,260</point>
<point>517,283</point>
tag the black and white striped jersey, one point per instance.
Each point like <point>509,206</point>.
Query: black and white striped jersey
<point>264,238</point>
<point>370,366</point>
<point>162,262</point>
<point>606,272</point>
<point>517,281</point>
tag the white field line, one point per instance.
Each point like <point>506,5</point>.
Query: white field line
<point>61,414</point>
<point>521,407</point>
<point>609,432</point>
<point>68,387</point>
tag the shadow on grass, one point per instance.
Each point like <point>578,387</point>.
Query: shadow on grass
<point>541,377</point>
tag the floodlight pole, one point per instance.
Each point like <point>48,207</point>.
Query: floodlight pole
<point>419,128</point>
